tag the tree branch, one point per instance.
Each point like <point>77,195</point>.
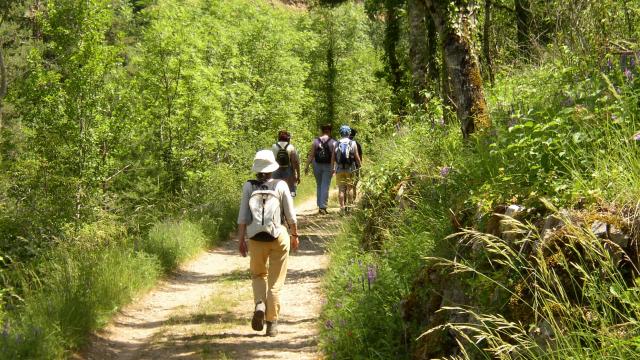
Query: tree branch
<point>3,75</point>
<point>501,6</point>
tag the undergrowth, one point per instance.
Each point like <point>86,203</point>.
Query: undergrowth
<point>560,136</point>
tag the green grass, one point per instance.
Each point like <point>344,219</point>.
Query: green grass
<point>73,291</point>
<point>173,242</point>
<point>70,293</point>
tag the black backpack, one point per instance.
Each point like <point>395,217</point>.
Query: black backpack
<point>323,152</point>
<point>282,157</point>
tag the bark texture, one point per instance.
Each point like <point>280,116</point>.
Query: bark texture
<point>486,39</point>
<point>3,84</point>
<point>391,40</point>
<point>463,68</point>
<point>523,24</point>
<point>3,77</point>
<point>418,47</point>
<point>423,50</point>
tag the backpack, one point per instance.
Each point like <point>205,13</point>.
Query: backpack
<point>344,153</point>
<point>323,152</point>
<point>282,156</point>
<point>264,204</point>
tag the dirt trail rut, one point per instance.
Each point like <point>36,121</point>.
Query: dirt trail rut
<point>203,311</point>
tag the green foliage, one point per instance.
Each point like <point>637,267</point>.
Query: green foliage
<point>173,242</point>
<point>348,91</point>
<point>70,293</point>
<point>399,225</point>
<point>120,116</point>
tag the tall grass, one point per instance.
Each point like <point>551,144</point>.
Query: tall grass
<point>69,294</point>
<point>581,304</point>
<point>63,296</point>
<point>174,242</point>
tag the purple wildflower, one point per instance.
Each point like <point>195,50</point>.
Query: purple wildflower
<point>349,286</point>
<point>372,274</point>
<point>329,324</point>
<point>444,172</point>
<point>37,331</point>
<point>339,305</point>
<point>632,62</point>
<point>636,137</point>
<point>628,74</point>
<point>568,102</point>
<point>614,117</point>
<point>441,122</point>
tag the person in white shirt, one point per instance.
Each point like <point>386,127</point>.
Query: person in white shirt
<point>267,217</point>
<point>289,161</point>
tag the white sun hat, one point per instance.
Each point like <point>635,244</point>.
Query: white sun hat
<point>265,162</point>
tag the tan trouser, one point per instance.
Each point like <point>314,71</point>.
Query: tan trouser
<point>267,279</point>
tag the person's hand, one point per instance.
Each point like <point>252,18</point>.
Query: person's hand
<point>243,248</point>
<point>294,242</point>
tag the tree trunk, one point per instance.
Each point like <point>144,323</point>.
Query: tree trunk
<point>432,51</point>
<point>391,40</point>
<point>462,65</point>
<point>523,25</point>
<point>332,73</point>
<point>418,48</point>
<point>3,84</point>
<point>627,18</point>
<point>486,40</point>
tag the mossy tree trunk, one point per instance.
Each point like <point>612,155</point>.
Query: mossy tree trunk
<point>462,65</point>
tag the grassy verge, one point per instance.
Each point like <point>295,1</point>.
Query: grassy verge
<point>561,139</point>
<point>71,293</point>
<point>55,301</point>
<point>173,242</point>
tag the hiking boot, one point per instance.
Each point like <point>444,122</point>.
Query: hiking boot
<point>257,323</point>
<point>322,211</point>
<point>272,328</point>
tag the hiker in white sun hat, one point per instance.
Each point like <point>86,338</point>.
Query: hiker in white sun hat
<point>265,203</point>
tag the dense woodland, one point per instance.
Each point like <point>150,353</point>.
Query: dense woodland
<point>499,196</point>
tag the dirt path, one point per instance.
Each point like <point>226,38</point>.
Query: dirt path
<point>203,312</point>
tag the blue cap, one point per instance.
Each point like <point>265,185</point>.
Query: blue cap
<point>345,130</point>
